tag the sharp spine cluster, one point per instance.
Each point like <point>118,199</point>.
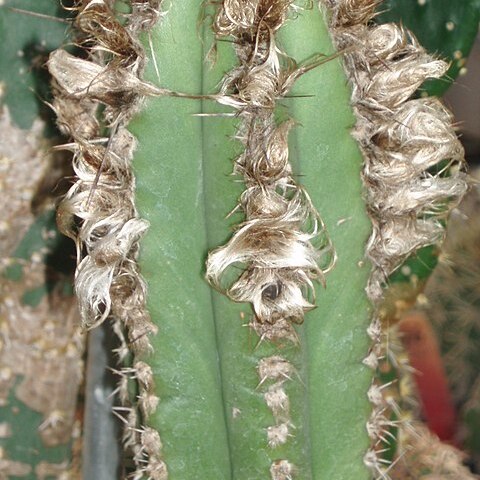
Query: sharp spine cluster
<point>413,158</point>
<point>276,371</point>
<point>98,212</point>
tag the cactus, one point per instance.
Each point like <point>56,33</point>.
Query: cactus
<point>41,344</point>
<point>244,380</point>
<point>445,28</point>
<point>452,306</point>
<point>280,388</point>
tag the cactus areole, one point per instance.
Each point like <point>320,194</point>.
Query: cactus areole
<point>269,373</point>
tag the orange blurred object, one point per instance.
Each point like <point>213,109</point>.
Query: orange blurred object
<point>421,345</point>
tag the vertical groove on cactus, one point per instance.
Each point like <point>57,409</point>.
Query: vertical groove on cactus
<point>98,212</point>
<point>412,155</point>
<point>274,241</point>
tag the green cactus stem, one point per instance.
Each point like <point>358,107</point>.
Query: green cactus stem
<point>212,416</point>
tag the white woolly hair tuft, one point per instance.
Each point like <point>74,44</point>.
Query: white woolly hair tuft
<point>282,245</point>
<point>99,212</point>
<point>413,171</point>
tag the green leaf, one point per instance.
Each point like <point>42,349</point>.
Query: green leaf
<point>444,27</point>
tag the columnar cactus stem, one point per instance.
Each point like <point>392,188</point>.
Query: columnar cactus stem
<point>413,158</point>
<point>248,390</point>
<point>277,400</point>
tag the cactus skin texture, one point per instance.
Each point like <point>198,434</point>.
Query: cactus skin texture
<point>223,392</point>
<point>206,362</point>
<point>41,345</point>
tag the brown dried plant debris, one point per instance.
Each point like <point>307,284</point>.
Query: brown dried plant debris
<point>101,92</point>
<point>282,242</point>
<point>413,159</point>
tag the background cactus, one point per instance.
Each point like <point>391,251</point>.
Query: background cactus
<point>445,28</point>
<point>215,383</point>
<point>452,308</point>
<point>41,345</point>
